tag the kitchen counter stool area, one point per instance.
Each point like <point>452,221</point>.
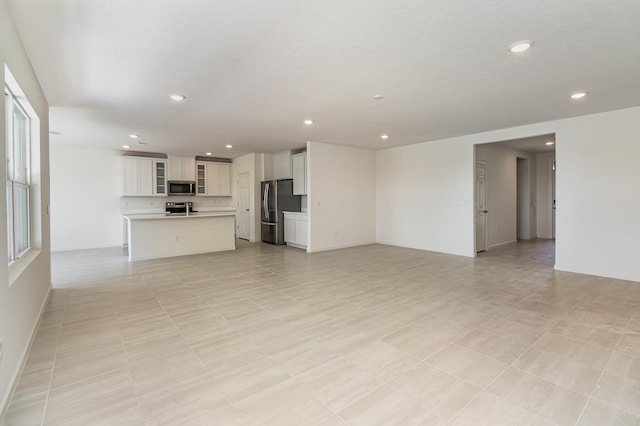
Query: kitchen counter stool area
<point>154,236</point>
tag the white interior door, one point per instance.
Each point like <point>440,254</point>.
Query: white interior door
<point>243,213</point>
<point>481,206</point>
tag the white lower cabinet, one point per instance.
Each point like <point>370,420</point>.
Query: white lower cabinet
<point>295,229</point>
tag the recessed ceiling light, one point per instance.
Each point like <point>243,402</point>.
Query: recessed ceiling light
<point>177,97</point>
<point>308,122</point>
<point>126,146</point>
<point>133,136</point>
<point>578,95</point>
<point>520,46</point>
<point>378,97</point>
<point>229,146</point>
<point>549,143</point>
<point>208,153</point>
<point>384,136</point>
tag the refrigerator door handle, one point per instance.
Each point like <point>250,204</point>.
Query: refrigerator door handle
<point>264,201</point>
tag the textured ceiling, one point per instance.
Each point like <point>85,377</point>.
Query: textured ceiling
<point>253,70</point>
<point>534,144</point>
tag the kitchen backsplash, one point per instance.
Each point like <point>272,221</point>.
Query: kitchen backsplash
<point>157,204</point>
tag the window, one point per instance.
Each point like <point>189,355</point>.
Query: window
<point>18,177</point>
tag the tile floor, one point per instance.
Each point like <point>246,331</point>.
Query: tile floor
<point>374,335</point>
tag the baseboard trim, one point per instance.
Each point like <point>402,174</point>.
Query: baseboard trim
<point>14,379</point>
<point>62,249</point>
<point>338,247</point>
<point>501,244</point>
<point>422,248</point>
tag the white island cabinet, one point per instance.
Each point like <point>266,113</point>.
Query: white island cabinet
<point>295,229</point>
<point>154,236</point>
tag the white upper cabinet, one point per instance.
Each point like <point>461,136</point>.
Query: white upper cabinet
<point>299,171</point>
<point>138,177</point>
<point>281,165</point>
<point>213,179</point>
<point>182,168</point>
<point>223,172</point>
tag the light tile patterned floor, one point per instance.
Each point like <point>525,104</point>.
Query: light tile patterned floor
<point>373,335</point>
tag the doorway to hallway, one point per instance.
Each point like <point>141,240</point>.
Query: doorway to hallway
<point>518,192</point>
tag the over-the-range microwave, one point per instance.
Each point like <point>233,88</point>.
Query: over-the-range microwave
<point>182,187</point>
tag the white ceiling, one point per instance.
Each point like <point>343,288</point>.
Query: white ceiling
<point>253,70</point>
<point>534,144</point>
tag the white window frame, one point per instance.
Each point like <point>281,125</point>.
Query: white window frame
<point>17,178</point>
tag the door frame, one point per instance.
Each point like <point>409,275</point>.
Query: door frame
<point>249,205</point>
<point>477,247</point>
<point>523,197</point>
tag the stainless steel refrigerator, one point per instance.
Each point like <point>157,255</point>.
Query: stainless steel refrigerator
<point>277,197</point>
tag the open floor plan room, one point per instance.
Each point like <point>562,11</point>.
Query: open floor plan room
<point>361,336</point>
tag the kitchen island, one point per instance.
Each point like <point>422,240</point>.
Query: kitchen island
<point>158,235</point>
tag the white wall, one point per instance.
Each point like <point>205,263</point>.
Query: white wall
<point>502,191</point>
<point>424,196</point>
<point>341,196</point>
<point>22,301</point>
<point>85,201</point>
<point>598,194</point>
<point>424,192</point>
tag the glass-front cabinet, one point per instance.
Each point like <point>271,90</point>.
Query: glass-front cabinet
<point>160,177</point>
<point>201,178</point>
